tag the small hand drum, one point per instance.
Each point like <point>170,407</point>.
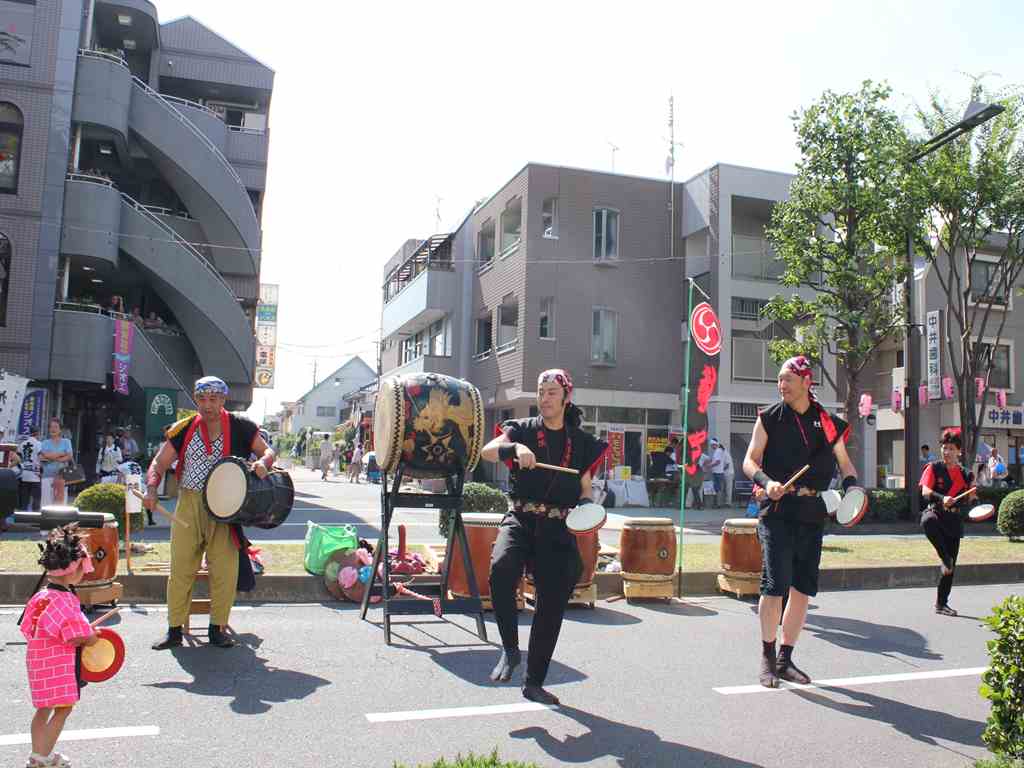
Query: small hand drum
<point>981,513</point>
<point>852,508</point>
<point>101,661</point>
<point>586,518</point>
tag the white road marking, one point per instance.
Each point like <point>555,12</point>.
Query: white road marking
<point>433,714</point>
<point>84,735</point>
<point>849,682</point>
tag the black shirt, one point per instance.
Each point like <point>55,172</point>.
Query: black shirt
<point>793,441</point>
<point>544,485</point>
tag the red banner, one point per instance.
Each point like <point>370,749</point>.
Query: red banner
<point>124,335</point>
<point>706,334</point>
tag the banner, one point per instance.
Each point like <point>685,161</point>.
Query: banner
<point>617,446</point>
<point>706,343</point>
<point>124,336</point>
<point>12,393</point>
<point>932,338</point>
<point>161,410</point>
<point>266,336</point>
<point>33,409</point>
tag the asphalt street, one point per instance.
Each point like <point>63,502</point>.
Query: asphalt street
<point>314,685</point>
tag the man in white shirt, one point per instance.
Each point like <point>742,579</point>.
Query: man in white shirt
<point>718,471</point>
<point>730,474</point>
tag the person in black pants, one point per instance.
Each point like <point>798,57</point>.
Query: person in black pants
<point>533,533</point>
<point>941,520</point>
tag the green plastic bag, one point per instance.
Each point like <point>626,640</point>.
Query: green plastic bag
<point>324,540</point>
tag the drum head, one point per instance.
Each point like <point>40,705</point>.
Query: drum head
<point>586,518</point>
<point>102,661</point>
<point>226,488</point>
<point>832,501</point>
<point>981,512</point>
<point>852,508</point>
<point>388,423</point>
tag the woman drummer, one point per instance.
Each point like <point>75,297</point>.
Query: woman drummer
<point>941,482</point>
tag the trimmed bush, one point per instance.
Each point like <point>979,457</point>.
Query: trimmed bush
<point>1003,683</point>
<point>109,498</point>
<point>475,761</point>
<point>1010,521</point>
<point>888,505</point>
<point>476,497</point>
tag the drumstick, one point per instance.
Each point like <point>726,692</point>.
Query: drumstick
<point>567,470</point>
<point>103,618</point>
<point>795,477</point>
<point>965,493</point>
<point>161,510</point>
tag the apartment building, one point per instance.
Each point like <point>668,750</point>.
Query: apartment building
<point>134,166</point>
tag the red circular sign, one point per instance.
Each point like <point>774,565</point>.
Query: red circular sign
<point>705,329</point>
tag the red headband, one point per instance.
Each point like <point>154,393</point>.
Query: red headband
<point>559,375</point>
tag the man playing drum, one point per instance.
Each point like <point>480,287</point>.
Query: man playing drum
<point>533,533</point>
<point>787,436</point>
<point>198,443</point>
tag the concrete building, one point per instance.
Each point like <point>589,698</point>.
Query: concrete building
<point>324,406</point>
<point>135,167</point>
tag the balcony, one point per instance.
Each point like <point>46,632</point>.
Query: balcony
<point>247,145</point>
<point>92,218</point>
<point>423,289</point>
<point>103,91</point>
<point>753,258</point>
<point>443,364</point>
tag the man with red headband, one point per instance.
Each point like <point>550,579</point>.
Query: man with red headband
<point>533,533</point>
<point>787,436</point>
<point>197,444</point>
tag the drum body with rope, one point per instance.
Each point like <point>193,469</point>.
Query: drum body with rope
<point>481,533</point>
<point>433,424</point>
<point>101,661</point>
<point>102,544</point>
<point>647,549</point>
<point>233,493</point>
<point>740,553</point>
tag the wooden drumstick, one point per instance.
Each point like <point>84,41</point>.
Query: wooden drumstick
<point>104,617</point>
<point>567,470</point>
<point>161,510</point>
<point>795,477</point>
<point>965,493</point>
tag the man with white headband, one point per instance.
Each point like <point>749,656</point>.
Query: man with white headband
<point>795,432</point>
<point>198,443</point>
<point>533,533</point>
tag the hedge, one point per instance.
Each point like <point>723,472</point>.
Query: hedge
<point>1011,515</point>
<point>108,497</point>
<point>1003,682</point>
<point>476,497</point>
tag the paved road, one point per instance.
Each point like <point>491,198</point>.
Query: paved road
<point>638,682</point>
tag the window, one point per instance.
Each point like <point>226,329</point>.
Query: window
<point>412,347</point>
<point>744,412</point>
<point>534,411</point>
<point>326,410</point>
<point>604,334</point>
<point>549,218</point>
<point>751,357</point>
<point>547,317</point>
<point>606,234</point>
<point>999,358</point>
<point>5,276</point>
<point>988,282</point>
<point>511,225</point>
<point>11,124</point>
<point>753,257</point>
<point>485,243</point>
<point>617,415</point>
<point>438,343</point>
<point>484,332</point>
<point>747,309</point>
<point>508,324</point>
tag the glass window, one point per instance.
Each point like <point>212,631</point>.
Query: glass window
<point>485,243</point>
<point>484,331</point>
<point>5,276</point>
<point>533,411</point>
<point>658,416</point>
<point>11,124</point>
<point>437,338</point>
<point>547,317</point>
<point>589,412</point>
<point>615,415</point>
<point>988,282</point>
<point>606,234</point>
<point>999,377</point>
<point>508,325</point>
<point>511,224</point>
<point>603,338</point>
<point>326,410</point>
<point>549,217</point>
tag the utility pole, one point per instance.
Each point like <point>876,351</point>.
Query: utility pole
<point>614,150</point>
<point>314,372</point>
<point>671,163</point>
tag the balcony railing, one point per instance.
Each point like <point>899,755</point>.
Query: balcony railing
<point>193,105</point>
<point>753,257</point>
<point>160,210</point>
<point>434,253</point>
<point>508,346</point>
<point>90,178</point>
<point>243,129</point>
<point>104,55</point>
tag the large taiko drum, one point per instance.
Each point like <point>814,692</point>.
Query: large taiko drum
<point>102,545</point>
<point>233,493</point>
<point>741,549</point>
<point>647,549</point>
<point>481,533</point>
<point>433,424</point>
<point>589,547</point>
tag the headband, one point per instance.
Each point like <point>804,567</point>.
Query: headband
<point>211,385</point>
<point>84,562</point>
<point>801,366</point>
<point>558,375</point>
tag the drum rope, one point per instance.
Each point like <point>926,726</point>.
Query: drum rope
<point>402,589</point>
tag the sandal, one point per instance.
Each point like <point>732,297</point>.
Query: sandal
<point>945,610</point>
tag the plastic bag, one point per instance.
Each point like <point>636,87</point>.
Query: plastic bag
<point>324,540</point>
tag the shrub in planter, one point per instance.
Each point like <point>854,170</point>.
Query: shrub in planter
<point>1011,515</point>
<point>888,505</point>
<point>108,497</point>
<point>476,497</point>
<point>1003,683</point>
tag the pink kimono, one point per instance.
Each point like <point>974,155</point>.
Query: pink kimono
<point>53,618</point>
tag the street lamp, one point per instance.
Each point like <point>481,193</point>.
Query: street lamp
<point>975,114</point>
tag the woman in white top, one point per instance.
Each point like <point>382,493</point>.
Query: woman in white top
<point>108,460</point>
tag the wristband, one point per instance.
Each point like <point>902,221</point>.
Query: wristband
<point>848,482</point>
<point>507,451</point>
<point>761,478</point>
<point>936,496</point>
<point>153,477</point>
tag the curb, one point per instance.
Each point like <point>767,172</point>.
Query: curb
<point>151,587</point>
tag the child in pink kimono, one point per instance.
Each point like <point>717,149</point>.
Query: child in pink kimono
<point>56,629</point>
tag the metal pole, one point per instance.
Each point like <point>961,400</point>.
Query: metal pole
<point>684,397</point>
<point>911,410</point>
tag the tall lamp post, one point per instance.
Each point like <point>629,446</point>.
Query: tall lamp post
<point>975,115</point>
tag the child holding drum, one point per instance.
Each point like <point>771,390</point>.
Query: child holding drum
<point>56,629</point>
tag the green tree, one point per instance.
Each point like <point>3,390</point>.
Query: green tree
<point>973,189</point>
<point>840,234</point>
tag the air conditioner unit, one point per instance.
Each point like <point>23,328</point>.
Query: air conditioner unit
<point>894,482</point>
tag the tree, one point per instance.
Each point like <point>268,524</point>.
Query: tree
<point>972,236</point>
<point>840,234</point>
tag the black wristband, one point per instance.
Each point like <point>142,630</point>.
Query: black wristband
<point>761,478</point>
<point>936,496</point>
<point>507,451</point>
<point>848,482</point>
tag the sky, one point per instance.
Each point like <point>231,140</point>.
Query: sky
<point>379,109</point>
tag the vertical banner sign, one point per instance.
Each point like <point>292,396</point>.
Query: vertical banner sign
<point>706,334</point>
<point>12,393</point>
<point>32,410</point>
<point>124,336</point>
<point>266,336</point>
<point>934,358</point>
<point>161,411</point>
<point>616,443</point>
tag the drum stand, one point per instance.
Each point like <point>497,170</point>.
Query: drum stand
<point>452,500</point>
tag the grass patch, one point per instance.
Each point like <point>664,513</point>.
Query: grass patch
<point>474,761</point>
